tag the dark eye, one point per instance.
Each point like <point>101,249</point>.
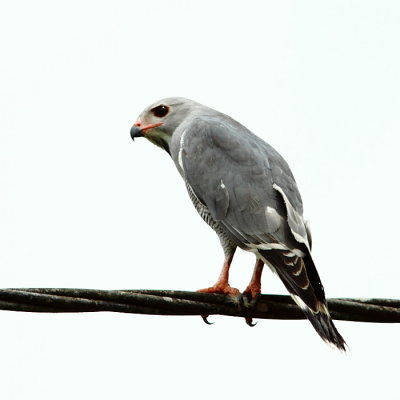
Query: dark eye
<point>160,111</point>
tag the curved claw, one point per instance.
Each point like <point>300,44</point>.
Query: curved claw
<point>204,317</point>
<point>249,322</point>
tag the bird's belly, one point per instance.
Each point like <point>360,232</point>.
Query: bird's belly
<point>205,214</point>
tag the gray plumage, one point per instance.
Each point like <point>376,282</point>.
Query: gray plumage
<point>243,188</point>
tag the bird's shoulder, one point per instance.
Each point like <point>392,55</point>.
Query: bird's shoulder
<point>245,183</point>
<point>212,139</point>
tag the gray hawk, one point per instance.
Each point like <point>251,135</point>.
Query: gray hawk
<point>244,189</point>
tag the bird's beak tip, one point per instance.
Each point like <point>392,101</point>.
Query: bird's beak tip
<point>136,132</point>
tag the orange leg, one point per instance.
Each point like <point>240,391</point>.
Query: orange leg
<point>222,285</point>
<point>254,287</point>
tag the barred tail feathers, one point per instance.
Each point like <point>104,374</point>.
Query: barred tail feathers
<point>301,279</point>
<point>322,323</point>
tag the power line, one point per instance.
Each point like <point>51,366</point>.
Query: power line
<point>173,302</point>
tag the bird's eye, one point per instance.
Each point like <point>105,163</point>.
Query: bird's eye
<point>160,111</point>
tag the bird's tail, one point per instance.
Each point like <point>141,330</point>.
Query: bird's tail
<point>323,324</point>
<point>301,279</point>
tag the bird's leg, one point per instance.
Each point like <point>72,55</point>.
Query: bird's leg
<point>222,285</point>
<point>253,289</point>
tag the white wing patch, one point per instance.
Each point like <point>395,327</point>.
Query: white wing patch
<point>274,246</point>
<point>308,230</point>
<point>181,143</point>
<point>295,220</point>
<point>274,220</point>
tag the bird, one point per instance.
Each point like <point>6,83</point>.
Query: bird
<point>245,191</point>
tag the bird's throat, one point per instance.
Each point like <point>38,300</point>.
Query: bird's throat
<point>159,138</point>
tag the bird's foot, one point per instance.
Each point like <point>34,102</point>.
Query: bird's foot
<point>251,295</point>
<point>249,298</point>
<point>221,288</point>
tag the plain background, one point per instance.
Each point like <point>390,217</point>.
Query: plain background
<point>83,206</point>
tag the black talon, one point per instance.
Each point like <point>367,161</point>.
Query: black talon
<point>204,317</point>
<point>249,322</point>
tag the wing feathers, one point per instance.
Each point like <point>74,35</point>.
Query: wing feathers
<point>294,219</point>
<point>228,168</point>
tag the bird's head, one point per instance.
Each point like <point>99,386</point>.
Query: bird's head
<point>158,122</point>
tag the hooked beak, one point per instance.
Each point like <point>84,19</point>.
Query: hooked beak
<point>139,130</point>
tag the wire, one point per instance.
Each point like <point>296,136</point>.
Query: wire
<point>173,302</point>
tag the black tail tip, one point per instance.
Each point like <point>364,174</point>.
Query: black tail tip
<point>326,329</point>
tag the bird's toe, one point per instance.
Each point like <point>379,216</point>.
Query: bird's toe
<point>221,288</point>
<point>250,296</point>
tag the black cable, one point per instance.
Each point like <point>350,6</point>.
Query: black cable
<point>172,302</point>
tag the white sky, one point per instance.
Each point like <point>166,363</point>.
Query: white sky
<point>81,205</point>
